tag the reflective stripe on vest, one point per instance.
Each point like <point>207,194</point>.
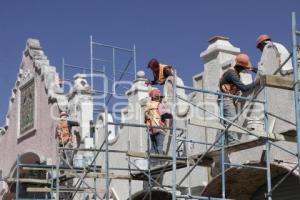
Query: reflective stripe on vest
<point>161,77</point>
<point>63,132</point>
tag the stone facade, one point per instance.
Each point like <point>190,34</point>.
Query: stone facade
<point>38,98</point>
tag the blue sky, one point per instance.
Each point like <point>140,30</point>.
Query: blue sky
<point>175,32</point>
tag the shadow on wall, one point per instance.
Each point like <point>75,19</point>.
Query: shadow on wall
<point>155,194</point>
<point>250,184</point>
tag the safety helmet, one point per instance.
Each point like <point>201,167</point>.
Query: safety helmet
<point>262,38</point>
<point>243,60</point>
<point>154,93</point>
<point>63,114</point>
<point>153,63</point>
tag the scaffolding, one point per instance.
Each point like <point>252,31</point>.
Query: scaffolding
<point>51,185</point>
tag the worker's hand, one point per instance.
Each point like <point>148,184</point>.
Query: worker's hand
<point>254,69</point>
<point>147,82</point>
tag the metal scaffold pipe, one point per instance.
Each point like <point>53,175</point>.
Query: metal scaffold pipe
<point>174,138</point>
<point>296,85</point>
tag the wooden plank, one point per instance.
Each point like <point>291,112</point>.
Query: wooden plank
<point>276,82</point>
<point>156,171</point>
<point>62,190</point>
<point>102,175</point>
<point>154,156</point>
<point>61,168</point>
<point>30,180</point>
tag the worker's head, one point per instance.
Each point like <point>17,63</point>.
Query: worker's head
<point>63,115</point>
<point>153,64</point>
<point>242,61</point>
<point>261,41</point>
<point>155,94</point>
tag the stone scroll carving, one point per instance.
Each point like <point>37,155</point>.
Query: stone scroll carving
<point>100,129</point>
<point>182,106</point>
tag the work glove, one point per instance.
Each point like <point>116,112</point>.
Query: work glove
<point>147,82</point>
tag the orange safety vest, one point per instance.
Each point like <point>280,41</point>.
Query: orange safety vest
<point>152,116</point>
<point>63,132</point>
<point>161,77</point>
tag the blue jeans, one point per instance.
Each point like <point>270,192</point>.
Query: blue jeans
<point>157,143</point>
<point>229,113</point>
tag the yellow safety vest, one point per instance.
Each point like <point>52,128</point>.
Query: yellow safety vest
<point>152,116</point>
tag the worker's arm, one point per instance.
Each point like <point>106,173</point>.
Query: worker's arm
<point>254,70</point>
<point>73,123</point>
<point>233,78</point>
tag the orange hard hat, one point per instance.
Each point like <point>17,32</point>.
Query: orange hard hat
<point>262,38</point>
<point>63,114</point>
<point>243,60</point>
<point>154,93</point>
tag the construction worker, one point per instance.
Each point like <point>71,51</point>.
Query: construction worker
<point>230,83</point>
<point>64,136</point>
<point>264,42</point>
<point>160,72</point>
<point>156,115</point>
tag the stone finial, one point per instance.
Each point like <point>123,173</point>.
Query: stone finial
<point>80,83</point>
<point>216,45</point>
<point>216,38</point>
<point>33,44</point>
<point>140,74</point>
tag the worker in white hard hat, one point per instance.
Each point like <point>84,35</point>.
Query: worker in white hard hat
<point>264,42</point>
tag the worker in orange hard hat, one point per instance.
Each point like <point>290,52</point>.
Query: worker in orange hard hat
<point>230,83</point>
<point>160,72</point>
<point>264,43</point>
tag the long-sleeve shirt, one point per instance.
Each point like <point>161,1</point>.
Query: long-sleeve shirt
<point>232,77</point>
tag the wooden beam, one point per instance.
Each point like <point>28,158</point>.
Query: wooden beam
<point>276,82</point>
<point>62,190</point>
<point>154,156</point>
<point>30,180</point>
<point>102,175</point>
